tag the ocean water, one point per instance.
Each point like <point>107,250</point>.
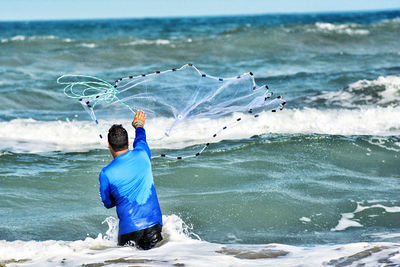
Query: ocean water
<point>314,184</point>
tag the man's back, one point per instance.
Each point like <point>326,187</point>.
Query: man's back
<point>127,182</point>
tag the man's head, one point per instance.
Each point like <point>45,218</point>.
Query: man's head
<point>118,138</point>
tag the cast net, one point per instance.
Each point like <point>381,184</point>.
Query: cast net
<point>179,103</point>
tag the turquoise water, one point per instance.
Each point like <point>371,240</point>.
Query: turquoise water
<point>250,191</point>
<point>324,171</point>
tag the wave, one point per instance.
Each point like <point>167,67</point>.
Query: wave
<point>147,42</point>
<point>321,27</point>
<point>179,248</point>
<point>32,136</point>
<point>257,28</point>
<point>93,43</point>
<point>384,91</point>
<point>349,29</point>
<point>393,21</point>
<point>23,38</point>
<point>20,38</point>
<point>88,45</point>
<point>266,27</point>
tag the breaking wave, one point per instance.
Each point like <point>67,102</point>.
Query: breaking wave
<point>33,136</point>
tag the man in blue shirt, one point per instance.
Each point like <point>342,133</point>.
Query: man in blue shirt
<point>127,182</point>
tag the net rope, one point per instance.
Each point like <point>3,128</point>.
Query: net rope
<point>177,95</point>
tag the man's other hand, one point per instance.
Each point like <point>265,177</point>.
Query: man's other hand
<point>139,119</point>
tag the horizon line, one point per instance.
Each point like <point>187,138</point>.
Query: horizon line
<point>210,15</point>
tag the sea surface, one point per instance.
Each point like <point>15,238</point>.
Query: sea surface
<point>317,183</point>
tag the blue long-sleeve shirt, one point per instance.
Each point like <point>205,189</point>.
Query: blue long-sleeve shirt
<point>127,182</point>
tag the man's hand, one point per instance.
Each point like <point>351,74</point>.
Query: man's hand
<point>139,119</point>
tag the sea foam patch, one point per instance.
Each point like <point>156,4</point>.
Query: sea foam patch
<point>200,253</point>
<point>348,219</point>
<point>181,248</point>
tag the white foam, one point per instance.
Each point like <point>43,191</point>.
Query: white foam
<point>349,29</point>
<point>42,37</point>
<point>366,121</point>
<point>305,219</point>
<point>27,135</point>
<point>14,38</point>
<point>347,219</point>
<point>88,45</point>
<point>148,42</point>
<point>33,136</point>
<point>174,229</point>
<point>19,38</point>
<point>354,93</point>
<point>385,236</point>
<point>178,248</point>
<point>387,209</point>
<point>75,253</point>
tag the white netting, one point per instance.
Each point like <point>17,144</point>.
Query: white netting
<point>172,99</point>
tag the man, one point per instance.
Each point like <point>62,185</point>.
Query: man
<point>127,182</point>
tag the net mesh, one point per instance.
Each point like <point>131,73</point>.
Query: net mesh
<point>173,100</point>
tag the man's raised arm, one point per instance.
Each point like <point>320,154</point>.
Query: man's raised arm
<point>140,138</point>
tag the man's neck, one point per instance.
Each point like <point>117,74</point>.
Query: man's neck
<point>116,154</point>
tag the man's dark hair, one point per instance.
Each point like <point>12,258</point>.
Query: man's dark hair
<point>118,137</point>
